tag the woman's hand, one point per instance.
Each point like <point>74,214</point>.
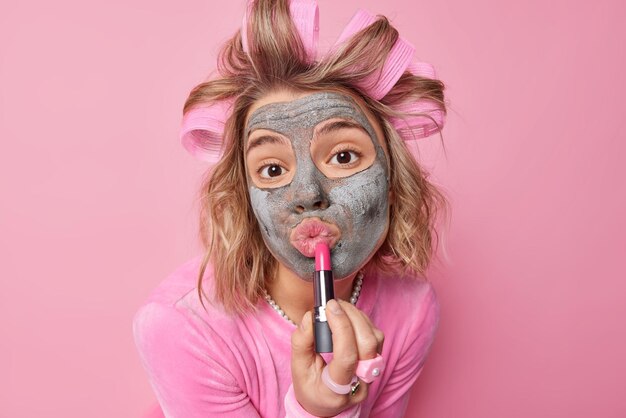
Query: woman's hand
<point>354,338</point>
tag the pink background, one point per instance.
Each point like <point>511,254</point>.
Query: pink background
<point>97,199</point>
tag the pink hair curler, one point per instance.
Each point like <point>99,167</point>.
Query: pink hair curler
<point>422,117</point>
<point>202,127</point>
<point>202,130</point>
<point>378,84</point>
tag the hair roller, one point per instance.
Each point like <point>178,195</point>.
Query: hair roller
<point>202,130</point>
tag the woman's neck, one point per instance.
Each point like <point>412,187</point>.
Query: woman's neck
<point>295,296</point>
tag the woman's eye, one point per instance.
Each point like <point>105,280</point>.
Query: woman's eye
<point>344,157</point>
<point>271,170</point>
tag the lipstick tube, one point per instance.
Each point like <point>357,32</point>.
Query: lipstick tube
<point>324,290</point>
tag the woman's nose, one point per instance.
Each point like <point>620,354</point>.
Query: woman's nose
<point>309,196</point>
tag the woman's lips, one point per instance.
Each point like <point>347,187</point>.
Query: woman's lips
<point>305,236</point>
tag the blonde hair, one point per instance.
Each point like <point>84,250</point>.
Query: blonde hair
<point>276,59</point>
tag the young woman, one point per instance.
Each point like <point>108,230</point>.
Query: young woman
<point>309,152</point>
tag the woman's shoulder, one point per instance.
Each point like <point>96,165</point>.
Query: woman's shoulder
<point>406,296</point>
<point>174,306</point>
<point>188,349</point>
<point>406,289</point>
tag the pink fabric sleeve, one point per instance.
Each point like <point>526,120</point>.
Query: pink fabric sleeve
<point>394,397</point>
<point>188,382</point>
<point>293,409</point>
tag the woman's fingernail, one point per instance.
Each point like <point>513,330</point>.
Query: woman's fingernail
<point>334,307</point>
<point>304,323</point>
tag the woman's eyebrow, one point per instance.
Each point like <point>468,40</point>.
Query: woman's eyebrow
<point>339,124</point>
<point>264,139</point>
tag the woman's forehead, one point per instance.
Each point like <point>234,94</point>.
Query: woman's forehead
<point>277,96</point>
<point>285,110</point>
<point>306,112</point>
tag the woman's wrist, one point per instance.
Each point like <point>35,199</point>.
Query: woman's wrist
<point>293,409</point>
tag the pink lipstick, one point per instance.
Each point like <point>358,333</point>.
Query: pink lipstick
<point>324,290</point>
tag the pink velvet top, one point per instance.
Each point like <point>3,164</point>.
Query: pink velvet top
<point>207,363</point>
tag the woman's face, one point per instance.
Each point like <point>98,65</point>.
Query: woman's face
<point>317,171</point>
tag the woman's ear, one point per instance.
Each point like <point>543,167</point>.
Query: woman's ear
<point>391,196</point>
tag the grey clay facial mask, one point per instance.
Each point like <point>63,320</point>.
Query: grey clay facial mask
<point>357,204</point>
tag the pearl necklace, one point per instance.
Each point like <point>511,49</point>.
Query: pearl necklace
<point>356,291</point>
